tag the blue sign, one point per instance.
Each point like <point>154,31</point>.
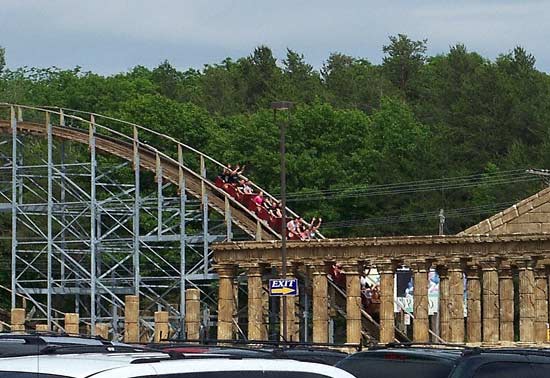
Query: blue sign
<point>283,287</point>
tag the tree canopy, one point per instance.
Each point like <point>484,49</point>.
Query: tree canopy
<point>374,149</point>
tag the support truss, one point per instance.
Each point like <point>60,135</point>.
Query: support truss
<point>88,229</point>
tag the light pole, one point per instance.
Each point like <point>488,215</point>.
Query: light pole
<point>280,106</point>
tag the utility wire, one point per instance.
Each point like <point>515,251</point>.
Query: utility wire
<point>429,182</point>
<point>413,217</point>
<point>508,177</point>
<point>426,184</point>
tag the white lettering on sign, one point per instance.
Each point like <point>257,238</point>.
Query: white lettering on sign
<point>281,283</point>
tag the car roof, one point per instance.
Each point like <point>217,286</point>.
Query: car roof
<point>117,365</point>
<point>311,354</point>
<point>74,365</point>
<point>480,355</point>
<point>22,344</point>
<point>428,352</point>
<point>216,365</point>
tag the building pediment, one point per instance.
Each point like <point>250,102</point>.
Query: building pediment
<point>529,216</point>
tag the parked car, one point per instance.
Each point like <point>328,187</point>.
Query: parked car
<point>401,362</point>
<point>294,352</point>
<point>21,344</point>
<point>448,362</point>
<point>147,366</point>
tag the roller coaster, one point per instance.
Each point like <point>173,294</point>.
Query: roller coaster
<point>133,212</point>
<point>100,208</point>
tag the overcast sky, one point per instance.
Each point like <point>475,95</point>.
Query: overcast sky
<point>111,36</point>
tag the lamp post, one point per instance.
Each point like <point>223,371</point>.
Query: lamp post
<point>283,106</point>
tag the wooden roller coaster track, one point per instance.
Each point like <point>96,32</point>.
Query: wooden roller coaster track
<point>115,142</point>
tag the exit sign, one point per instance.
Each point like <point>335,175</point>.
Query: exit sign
<point>281,287</point>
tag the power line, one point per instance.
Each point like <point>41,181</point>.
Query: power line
<point>428,182</point>
<point>419,185</point>
<point>507,177</point>
<point>413,217</point>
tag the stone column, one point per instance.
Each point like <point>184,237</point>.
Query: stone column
<point>444,293</point>
<point>255,305</point>
<point>226,302</point>
<point>473,320</point>
<point>353,303</point>
<point>292,321</point>
<point>71,323</point>
<point>526,300</point>
<point>131,319</point>
<point>387,320</point>
<point>456,302</point>
<point>18,320</point>
<point>541,303</point>
<point>102,330</point>
<point>320,303</point>
<point>490,293</point>
<point>421,325</point>
<point>506,299</point>
<point>42,328</point>
<point>162,326</point>
<point>192,314</point>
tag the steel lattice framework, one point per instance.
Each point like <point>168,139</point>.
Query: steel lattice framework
<point>98,212</point>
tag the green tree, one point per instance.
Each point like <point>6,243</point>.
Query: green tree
<point>168,79</point>
<point>337,77</point>
<point>354,83</point>
<point>261,77</point>
<point>302,82</point>
<point>404,58</point>
<point>223,88</point>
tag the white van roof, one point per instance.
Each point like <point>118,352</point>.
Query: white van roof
<point>120,365</point>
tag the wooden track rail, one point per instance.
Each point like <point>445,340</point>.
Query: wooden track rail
<point>241,217</point>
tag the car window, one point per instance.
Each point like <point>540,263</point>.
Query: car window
<point>504,370</point>
<point>245,374</point>
<point>398,367</point>
<point>19,374</point>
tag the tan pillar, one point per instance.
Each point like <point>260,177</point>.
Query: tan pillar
<point>102,330</point>
<point>162,326</point>
<point>71,323</point>
<point>526,300</point>
<point>506,300</point>
<point>18,320</point>
<point>320,303</point>
<point>541,303</point>
<point>353,303</point>
<point>456,303</point>
<point>255,303</point>
<point>226,302</point>
<point>387,320</point>
<point>421,325</point>
<point>131,319</point>
<point>444,294</point>
<point>490,314</point>
<point>41,328</point>
<point>192,314</point>
<point>292,327</point>
<point>473,320</point>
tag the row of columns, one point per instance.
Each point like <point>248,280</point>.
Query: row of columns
<point>490,301</point>
<point>131,320</point>
<point>71,324</point>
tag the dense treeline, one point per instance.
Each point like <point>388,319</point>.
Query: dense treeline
<point>357,126</point>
